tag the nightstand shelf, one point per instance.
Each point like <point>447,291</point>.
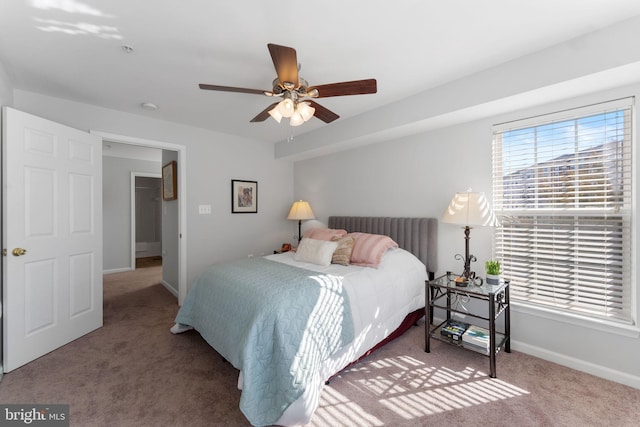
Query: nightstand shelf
<point>435,334</point>
<point>439,294</point>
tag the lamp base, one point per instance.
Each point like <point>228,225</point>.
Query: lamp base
<point>466,271</point>
<point>461,281</point>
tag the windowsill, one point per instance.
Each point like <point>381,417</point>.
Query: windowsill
<point>630,331</point>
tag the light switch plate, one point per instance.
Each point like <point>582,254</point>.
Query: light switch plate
<point>204,209</point>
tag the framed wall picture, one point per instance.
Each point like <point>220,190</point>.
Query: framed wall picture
<point>244,196</point>
<point>169,181</point>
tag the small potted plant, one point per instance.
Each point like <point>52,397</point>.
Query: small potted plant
<point>492,268</point>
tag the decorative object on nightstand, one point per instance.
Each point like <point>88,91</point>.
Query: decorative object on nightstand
<point>492,268</point>
<point>300,211</point>
<point>286,247</point>
<point>469,209</point>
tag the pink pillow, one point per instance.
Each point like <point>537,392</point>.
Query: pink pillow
<point>324,233</point>
<point>369,248</point>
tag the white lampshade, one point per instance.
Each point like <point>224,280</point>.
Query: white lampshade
<point>469,209</point>
<point>305,110</point>
<point>296,119</point>
<point>300,210</point>
<point>275,114</point>
<point>286,107</point>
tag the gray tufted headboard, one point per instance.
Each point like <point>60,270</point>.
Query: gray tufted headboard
<point>416,235</point>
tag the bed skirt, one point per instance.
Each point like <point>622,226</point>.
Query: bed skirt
<point>407,323</point>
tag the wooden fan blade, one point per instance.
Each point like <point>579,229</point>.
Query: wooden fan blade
<point>264,114</point>
<point>356,87</point>
<point>231,89</point>
<point>286,63</point>
<point>323,113</point>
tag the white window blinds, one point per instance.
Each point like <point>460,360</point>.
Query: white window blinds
<point>562,189</point>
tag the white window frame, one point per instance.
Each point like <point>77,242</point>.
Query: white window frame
<point>629,327</point>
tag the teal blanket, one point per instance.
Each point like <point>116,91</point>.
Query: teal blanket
<point>275,322</point>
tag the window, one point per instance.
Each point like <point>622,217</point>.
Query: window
<point>562,189</point>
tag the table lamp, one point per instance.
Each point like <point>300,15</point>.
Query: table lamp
<point>469,209</point>
<point>300,210</point>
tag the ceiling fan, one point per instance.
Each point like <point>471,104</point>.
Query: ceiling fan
<point>296,94</point>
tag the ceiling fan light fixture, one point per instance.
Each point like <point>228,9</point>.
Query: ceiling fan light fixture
<point>275,114</point>
<point>305,110</point>
<point>286,107</point>
<point>294,90</point>
<point>296,119</point>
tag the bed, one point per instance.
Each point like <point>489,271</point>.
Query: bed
<point>289,322</point>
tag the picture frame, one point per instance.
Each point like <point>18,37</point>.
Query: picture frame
<point>244,196</point>
<point>170,181</point>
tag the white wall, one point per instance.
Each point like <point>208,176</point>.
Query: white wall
<point>6,91</point>
<point>213,160</point>
<point>417,176</point>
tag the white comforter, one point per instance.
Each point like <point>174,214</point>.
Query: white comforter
<point>380,299</point>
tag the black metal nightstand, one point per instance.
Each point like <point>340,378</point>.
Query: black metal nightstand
<point>440,292</point>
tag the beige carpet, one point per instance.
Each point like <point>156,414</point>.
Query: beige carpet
<point>133,372</point>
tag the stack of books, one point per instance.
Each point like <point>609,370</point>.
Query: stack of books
<point>454,329</point>
<point>477,339</point>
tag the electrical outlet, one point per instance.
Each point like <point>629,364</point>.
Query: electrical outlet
<point>204,209</point>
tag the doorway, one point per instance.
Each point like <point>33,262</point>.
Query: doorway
<point>147,220</point>
<point>177,238</point>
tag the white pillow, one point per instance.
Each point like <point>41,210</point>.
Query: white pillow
<point>315,251</point>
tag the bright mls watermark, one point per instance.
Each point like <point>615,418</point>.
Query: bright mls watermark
<point>34,415</point>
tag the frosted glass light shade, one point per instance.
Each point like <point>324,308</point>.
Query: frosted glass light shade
<point>469,208</point>
<point>296,119</point>
<point>306,111</point>
<point>286,107</point>
<point>275,114</point>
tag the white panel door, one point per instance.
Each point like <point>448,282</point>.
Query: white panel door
<point>52,235</point>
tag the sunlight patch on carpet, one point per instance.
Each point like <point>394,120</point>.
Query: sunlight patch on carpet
<point>337,410</point>
<point>413,392</point>
<point>409,388</point>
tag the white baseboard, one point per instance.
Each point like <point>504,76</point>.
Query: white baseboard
<point>169,288</point>
<point>117,270</point>
<point>573,363</point>
<point>580,365</point>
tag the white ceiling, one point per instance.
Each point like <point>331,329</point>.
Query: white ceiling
<point>73,49</point>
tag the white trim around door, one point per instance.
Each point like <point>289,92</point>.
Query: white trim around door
<point>182,191</point>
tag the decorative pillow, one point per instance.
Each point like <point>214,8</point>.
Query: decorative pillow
<point>324,233</point>
<point>315,251</point>
<point>369,248</point>
<point>342,254</point>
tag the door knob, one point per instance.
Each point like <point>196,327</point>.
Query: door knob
<point>18,251</point>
